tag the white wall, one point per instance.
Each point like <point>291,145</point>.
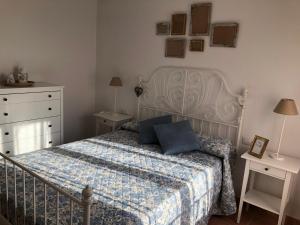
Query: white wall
<point>266,60</point>
<point>55,41</point>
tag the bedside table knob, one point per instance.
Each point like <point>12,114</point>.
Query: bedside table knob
<point>5,99</point>
<point>5,114</point>
<point>266,169</point>
<point>7,152</point>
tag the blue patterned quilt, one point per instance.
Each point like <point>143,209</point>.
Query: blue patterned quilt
<point>132,184</point>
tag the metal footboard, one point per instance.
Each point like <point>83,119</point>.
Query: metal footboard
<point>85,202</point>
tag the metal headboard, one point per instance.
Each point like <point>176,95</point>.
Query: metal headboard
<point>198,94</point>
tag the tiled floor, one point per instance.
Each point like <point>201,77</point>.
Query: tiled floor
<point>254,216</point>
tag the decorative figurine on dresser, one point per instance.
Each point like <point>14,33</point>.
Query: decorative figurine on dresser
<point>31,115</point>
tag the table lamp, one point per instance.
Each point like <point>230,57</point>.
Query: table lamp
<point>116,83</point>
<point>286,107</point>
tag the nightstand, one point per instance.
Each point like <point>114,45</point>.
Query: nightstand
<point>110,120</point>
<point>285,170</point>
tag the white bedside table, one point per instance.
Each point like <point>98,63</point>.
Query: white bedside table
<point>110,120</point>
<point>285,170</point>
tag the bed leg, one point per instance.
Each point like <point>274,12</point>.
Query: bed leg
<point>86,203</point>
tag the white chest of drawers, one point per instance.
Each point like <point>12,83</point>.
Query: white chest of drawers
<point>30,118</point>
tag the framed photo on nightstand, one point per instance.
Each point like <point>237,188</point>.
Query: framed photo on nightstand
<point>258,146</point>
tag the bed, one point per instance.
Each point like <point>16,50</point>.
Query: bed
<point>111,179</point>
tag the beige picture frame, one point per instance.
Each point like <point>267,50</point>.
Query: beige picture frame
<point>200,19</point>
<point>258,146</point>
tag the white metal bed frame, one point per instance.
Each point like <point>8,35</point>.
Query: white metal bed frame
<point>200,95</point>
<point>197,94</point>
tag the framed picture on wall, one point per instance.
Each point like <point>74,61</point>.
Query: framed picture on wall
<point>258,146</point>
<point>200,19</point>
<point>197,45</point>
<point>163,28</point>
<point>224,35</point>
<point>175,47</point>
<point>179,24</point>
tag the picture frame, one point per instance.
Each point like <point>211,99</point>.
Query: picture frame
<point>224,35</point>
<point>163,28</point>
<point>197,45</point>
<point>200,19</point>
<point>179,24</point>
<point>258,146</point>
<point>175,47</point>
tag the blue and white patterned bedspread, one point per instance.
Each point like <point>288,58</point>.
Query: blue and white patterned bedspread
<point>132,184</point>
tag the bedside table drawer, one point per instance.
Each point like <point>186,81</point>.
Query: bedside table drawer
<point>105,122</point>
<point>268,170</point>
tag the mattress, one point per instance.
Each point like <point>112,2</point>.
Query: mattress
<point>132,184</point>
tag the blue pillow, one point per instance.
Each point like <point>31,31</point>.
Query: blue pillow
<point>147,134</point>
<point>176,138</point>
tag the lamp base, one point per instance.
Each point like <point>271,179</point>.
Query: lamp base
<point>276,156</point>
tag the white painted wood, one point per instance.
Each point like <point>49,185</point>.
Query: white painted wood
<point>284,198</point>
<point>243,191</point>
<point>25,145</point>
<point>37,87</point>
<point>29,111</point>
<point>27,129</point>
<point>111,120</point>
<point>284,170</point>
<point>115,117</point>
<point>263,200</point>
<point>290,164</point>
<point>29,97</point>
<point>251,183</point>
<point>198,94</point>
<point>268,170</point>
<point>62,116</point>
<point>30,118</point>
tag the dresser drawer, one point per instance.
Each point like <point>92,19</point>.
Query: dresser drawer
<point>268,170</point>
<point>28,111</point>
<point>105,122</point>
<point>30,144</point>
<point>27,129</point>
<point>29,97</point>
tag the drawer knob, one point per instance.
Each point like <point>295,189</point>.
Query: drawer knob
<point>6,133</point>
<point>5,114</point>
<point>266,169</point>
<point>49,109</point>
<point>49,96</point>
<point>49,125</point>
<point>104,121</point>
<point>50,142</point>
<point>7,152</point>
<point>5,99</point>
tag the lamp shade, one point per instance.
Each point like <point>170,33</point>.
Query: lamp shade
<point>116,82</point>
<point>286,107</point>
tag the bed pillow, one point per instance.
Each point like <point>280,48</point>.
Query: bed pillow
<point>176,138</point>
<point>147,134</point>
<point>131,126</point>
